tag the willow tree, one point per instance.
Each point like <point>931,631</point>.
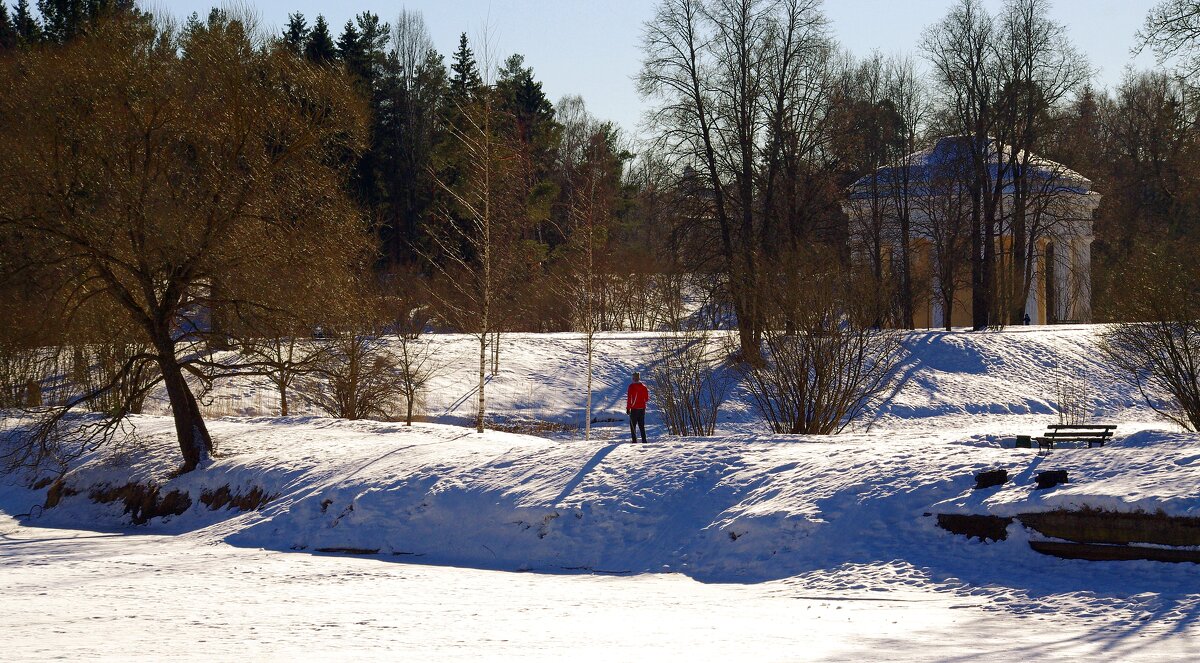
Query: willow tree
<point>161,177</point>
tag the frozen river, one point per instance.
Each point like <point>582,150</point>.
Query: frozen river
<point>76,595</point>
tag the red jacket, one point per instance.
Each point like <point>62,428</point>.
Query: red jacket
<point>637,396</point>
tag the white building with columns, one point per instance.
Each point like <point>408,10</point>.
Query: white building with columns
<point>1052,271</point>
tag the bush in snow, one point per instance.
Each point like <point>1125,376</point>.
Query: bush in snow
<point>820,381</point>
<point>119,375</point>
<point>823,364</point>
<point>689,383</point>
<point>18,368</point>
<point>1074,398</point>
<point>1160,352</point>
<point>357,378</point>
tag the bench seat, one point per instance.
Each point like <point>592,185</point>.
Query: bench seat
<point>1094,435</point>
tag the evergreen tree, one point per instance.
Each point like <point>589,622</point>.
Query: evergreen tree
<point>528,116</point>
<point>521,97</point>
<point>296,35</point>
<point>465,82</point>
<point>350,50</point>
<point>409,129</point>
<point>28,29</point>
<point>373,37</point>
<point>63,19</point>
<point>354,57</point>
<point>320,47</point>
<point>8,32</point>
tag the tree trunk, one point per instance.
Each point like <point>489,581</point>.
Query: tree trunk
<point>906,289</point>
<point>979,285</point>
<point>482,370</point>
<point>194,441</point>
<point>283,404</point>
<point>587,421</point>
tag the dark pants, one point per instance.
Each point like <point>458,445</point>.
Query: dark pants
<point>637,418</point>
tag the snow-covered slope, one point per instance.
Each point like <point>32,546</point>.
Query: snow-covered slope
<point>743,505</point>
<point>846,515</point>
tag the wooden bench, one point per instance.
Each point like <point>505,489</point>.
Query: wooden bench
<point>1094,435</point>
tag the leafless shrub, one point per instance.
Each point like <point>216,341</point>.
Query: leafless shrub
<point>357,378</point>
<point>118,374</point>
<point>1161,359</point>
<point>818,381</point>
<point>1074,398</point>
<point>21,373</point>
<point>1159,353</point>
<point>284,360</point>
<point>826,366</point>
<point>416,362</point>
<point>690,385</point>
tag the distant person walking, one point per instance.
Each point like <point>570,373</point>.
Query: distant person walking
<point>635,406</point>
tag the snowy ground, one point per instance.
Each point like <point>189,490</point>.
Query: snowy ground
<point>117,596</point>
<point>744,545</point>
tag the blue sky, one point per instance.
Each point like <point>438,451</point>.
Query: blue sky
<point>591,47</point>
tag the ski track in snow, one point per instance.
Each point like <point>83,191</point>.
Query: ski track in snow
<point>771,540</point>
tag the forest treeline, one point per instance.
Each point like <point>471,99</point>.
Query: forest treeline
<point>776,148</point>
<point>188,199</point>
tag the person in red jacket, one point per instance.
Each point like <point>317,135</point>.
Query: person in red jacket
<point>635,406</point>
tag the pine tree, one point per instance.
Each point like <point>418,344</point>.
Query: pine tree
<point>320,47</point>
<point>296,35</point>
<point>28,29</point>
<point>8,32</point>
<point>63,20</point>
<point>522,95</point>
<point>527,115</point>
<point>373,39</point>
<point>465,82</point>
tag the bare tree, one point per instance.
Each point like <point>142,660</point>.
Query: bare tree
<point>592,164</point>
<point>733,77</point>
<point>869,135</point>
<point>944,217</point>
<point>416,360</point>
<point>999,76</point>
<point>408,122</point>
<point>961,49</point>
<point>906,92</point>
<point>357,378</point>
<point>142,168</point>
<point>1172,29</point>
<point>1038,68</point>
<point>285,359</point>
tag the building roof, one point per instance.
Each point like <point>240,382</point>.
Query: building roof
<point>953,154</point>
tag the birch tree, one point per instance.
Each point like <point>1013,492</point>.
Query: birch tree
<point>593,162</point>
<point>477,238</point>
